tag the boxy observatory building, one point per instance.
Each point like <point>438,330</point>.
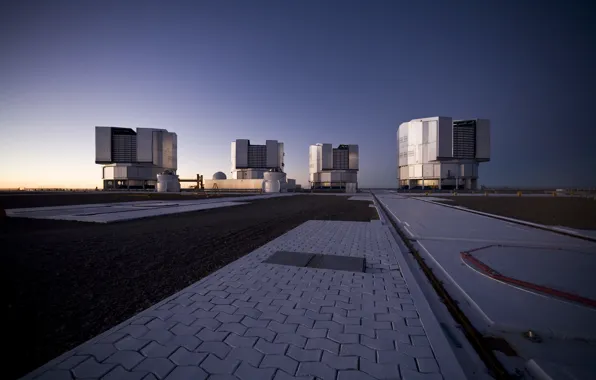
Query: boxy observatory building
<point>250,161</point>
<point>438,152</point>
<point>133,159</point>
<point>254,168</point>
<point>334,168</point>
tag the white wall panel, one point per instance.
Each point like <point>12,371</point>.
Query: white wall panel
<point>425,132</point>
<point>325,177</point>
<point>145,145</point>
<point>280,154</point>
<point>424,153</point>
<point>354,157</point>
<point>327,157</point>
<point>120,172</point>
<point>336,176</point>
<point>315,162</point>
<point>174,159</point>
<point>427,170</point>
<point>272,153</point>
<point>108,172</point>
<point>445,137</point>
<point>103,144</point>
<point>432,140</point>
<point>418,171</point>
<point>241,153</point>
<point>483,139</point>
<point>404,172</point>
<point>168,144</point>
<point>157,148</point>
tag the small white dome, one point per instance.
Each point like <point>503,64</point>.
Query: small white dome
<point>220,175</point>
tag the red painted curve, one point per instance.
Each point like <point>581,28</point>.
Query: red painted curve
<point>485,269</point>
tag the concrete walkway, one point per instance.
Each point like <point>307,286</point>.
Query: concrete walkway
<point>122,211</point>
<point>251,320</point>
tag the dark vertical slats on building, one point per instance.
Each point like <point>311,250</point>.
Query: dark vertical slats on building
<point>464,139</point>
<point>257,156</point>
<point>341,159</point>
<point>124,145</point>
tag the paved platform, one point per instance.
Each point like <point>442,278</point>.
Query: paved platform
<point>251,320</point>
<point>122,211</point>
<point>542,257</point>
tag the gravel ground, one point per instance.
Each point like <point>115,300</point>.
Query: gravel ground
<point>70,281</point>
<point>572,212</point>
<point>12,200</point>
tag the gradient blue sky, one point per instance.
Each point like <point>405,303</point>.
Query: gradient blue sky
<point>300,72</point>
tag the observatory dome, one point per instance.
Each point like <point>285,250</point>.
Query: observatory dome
<point>220,175</point>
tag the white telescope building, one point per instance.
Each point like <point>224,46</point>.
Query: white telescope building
<point>334,168</point>
<point>254,168</point>
<point>251,161</point>
<point>438,152</point>
<point>133,159</point>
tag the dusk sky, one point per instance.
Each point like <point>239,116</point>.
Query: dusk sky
<point>301,72</point>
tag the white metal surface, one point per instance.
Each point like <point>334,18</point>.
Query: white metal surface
<point>271,186</point>
<point>272,153</point>
<point>241,153</point>
<point>354,160</point>
<point>330,166</point>
<point>281,154</point>
<point>326,157</point>
<point>275,176</point>
<point>168,183</point>
<point>445,137</point>
<point>500,309</point>
<point>483,139</point>
<point>145,145</point>
<point>103,144</point>
<point>426,148</point>
<point>234,184</point>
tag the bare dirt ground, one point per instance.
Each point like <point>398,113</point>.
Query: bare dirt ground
<point>572,212</point>
<point>22,200</point>
<point>67,281</point>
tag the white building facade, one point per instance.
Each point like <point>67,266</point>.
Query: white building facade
<point>438,152</point>
<point>133,159</point>
<point>334,168</point>
<point>250,161</point>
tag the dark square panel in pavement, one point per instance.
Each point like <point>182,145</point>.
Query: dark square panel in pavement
<point>319,261</point>
<point>297,259</point>
<point>345,263</point>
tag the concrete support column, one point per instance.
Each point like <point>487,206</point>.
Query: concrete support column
<point>422,183</point>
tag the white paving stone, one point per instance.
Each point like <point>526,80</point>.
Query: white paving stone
<point>317,322</point>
